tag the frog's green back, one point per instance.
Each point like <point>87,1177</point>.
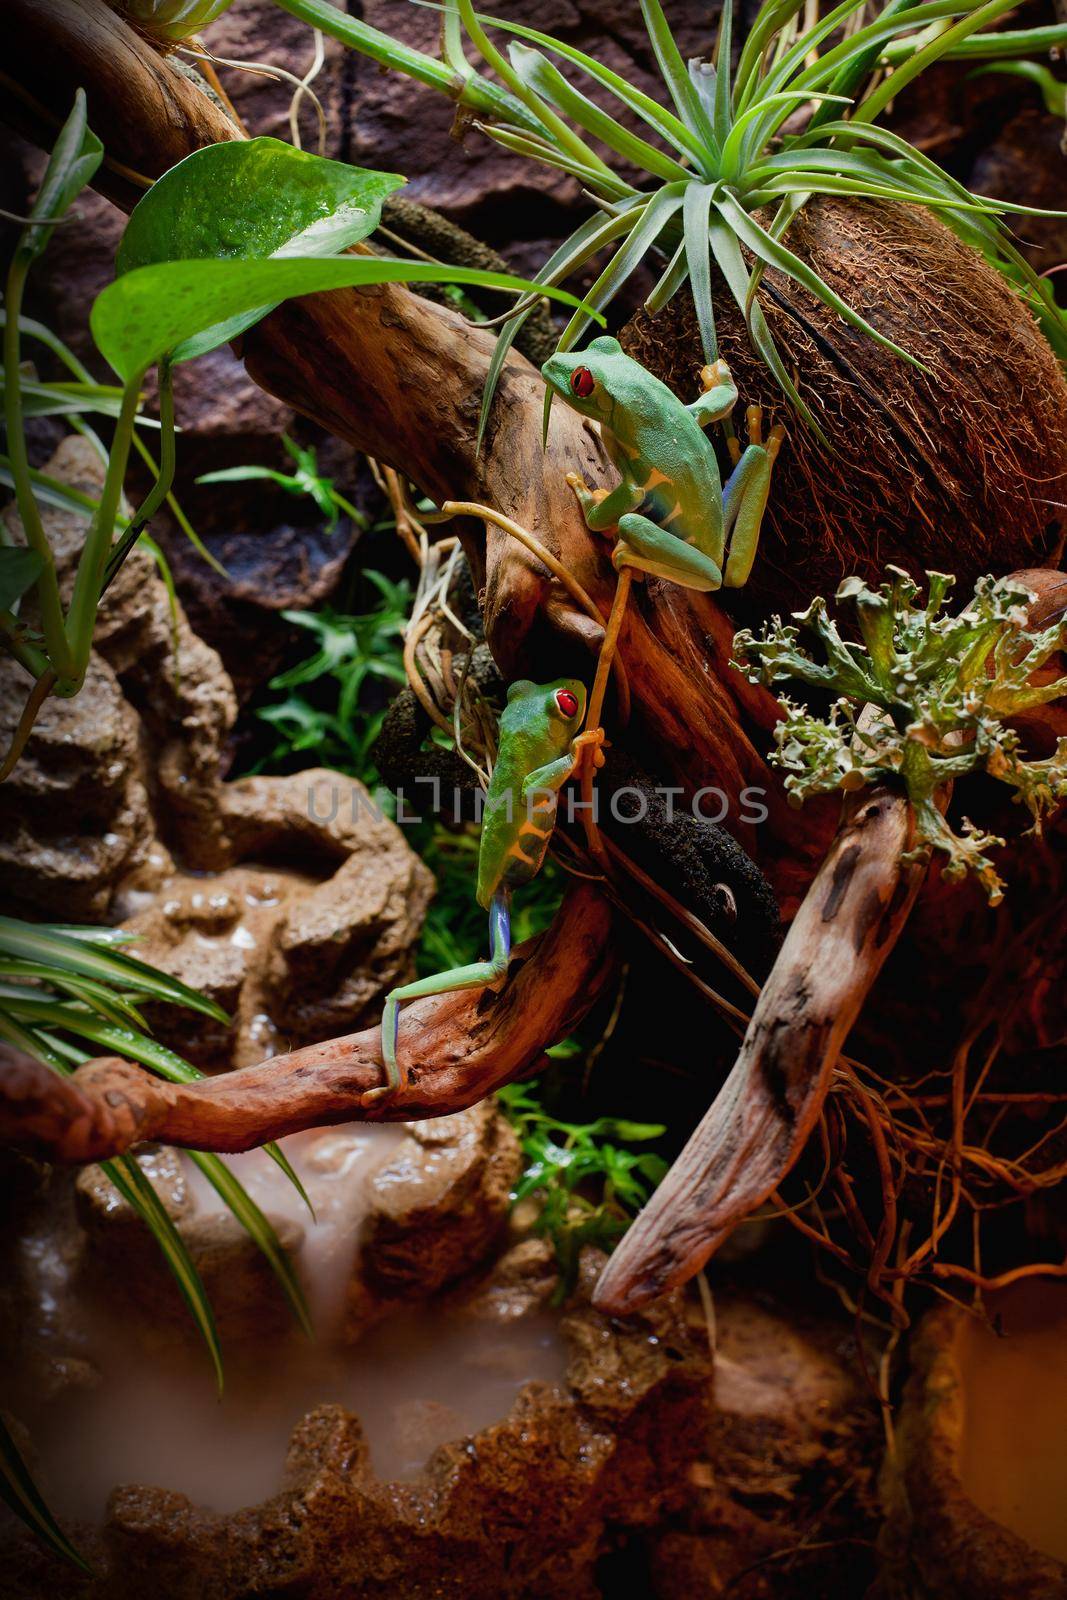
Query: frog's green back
<point>535,733</point>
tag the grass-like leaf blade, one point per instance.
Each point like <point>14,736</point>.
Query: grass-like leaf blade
<point>135,1188</point>
<point>25,1500</point>
<point>80,955</point>
<point>260,1230</point>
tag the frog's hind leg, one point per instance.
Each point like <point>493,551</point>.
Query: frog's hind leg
<point>472,976</point>
<point>744,497</point>
<point>649,548</point>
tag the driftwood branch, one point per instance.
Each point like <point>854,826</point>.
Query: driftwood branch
<point>760,1120</point>
<point>459,1047</point>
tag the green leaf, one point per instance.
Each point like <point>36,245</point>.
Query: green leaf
<point>135,1188</point>
<point>79,954</point>
<point>657,117</point>
<point>721,115</point>
<point>19,568</point>
<point>259,1228</point>
<point>25,1500</point>
<point>107,1003</point>
<point>1053,90</point>
<point>731,264</point>
<point>975,19</point>
<point>251,199</point>
<point>540,74</point>
<point>75,157</point>
<point>149,313</point>
<point>174,20</point>
<point>675,75</point>
<point>696,214</point>
<point>583,243</point>
<point>674,275</point>
<point>644,232</point>
<point>1003,43</point>
<point>769,20</point>
<point>481,95</point>
<point>771,250</point>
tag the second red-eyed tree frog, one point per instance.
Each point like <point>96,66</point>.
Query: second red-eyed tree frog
<point>673,514</point>
<point>539,747</point>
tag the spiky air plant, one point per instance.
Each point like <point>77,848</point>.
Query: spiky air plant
<point>725,176</point>
<point>944,686</point>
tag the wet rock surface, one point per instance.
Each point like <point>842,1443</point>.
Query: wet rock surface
<point>402,1213</point>
<point>465,1437</point>
<point>292,902</point>
<point>438,1205</point>
<point>631,1470</point>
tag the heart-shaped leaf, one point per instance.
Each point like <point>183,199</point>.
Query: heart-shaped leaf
<point>18,569</point>
<point>253,199</point>
<point>152,313</point>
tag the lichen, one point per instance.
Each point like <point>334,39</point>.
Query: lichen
<point>925,698</point>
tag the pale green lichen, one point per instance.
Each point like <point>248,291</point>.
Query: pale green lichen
<point>938,687</point>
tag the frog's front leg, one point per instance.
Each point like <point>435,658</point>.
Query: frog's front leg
<point>472,976</point>
<point>603,510</point>
<point>744,497</point>
<point>719,395</point>
<point>649,548</point>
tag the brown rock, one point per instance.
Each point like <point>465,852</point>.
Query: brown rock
<point>525,1507</point>
<point>74,815</point>
<point>124,1255</point>
<point>438,1207</point>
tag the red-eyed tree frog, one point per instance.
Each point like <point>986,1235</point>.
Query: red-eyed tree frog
<point>539,747</point>
<point>673,515</point>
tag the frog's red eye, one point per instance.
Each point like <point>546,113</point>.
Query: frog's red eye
<point>582,382</point>
<point>567,702</point>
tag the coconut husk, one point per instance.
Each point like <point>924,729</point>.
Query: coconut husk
<point>961,467</point>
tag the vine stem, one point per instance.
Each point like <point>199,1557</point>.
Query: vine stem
<point>89,580</point>
<point>47,584</point>
<point>37,697</point>
<point>164,479</point>
<point>27,655</point>
<point>596,710</point>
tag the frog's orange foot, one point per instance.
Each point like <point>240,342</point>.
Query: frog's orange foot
<point>576,482</point>
<point>712,376</point>
<point>591,738</point>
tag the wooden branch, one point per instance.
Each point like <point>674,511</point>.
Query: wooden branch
<point>759,1122</point>
<point>459,1048</point>
<point>401,378</point>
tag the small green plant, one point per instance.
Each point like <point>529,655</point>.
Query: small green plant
<point>325,707</point>
<point>943,684</point>
<point>62,989</point>
<point>722,159</point>
<point>306,480</point>
<point>587,1185</point>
